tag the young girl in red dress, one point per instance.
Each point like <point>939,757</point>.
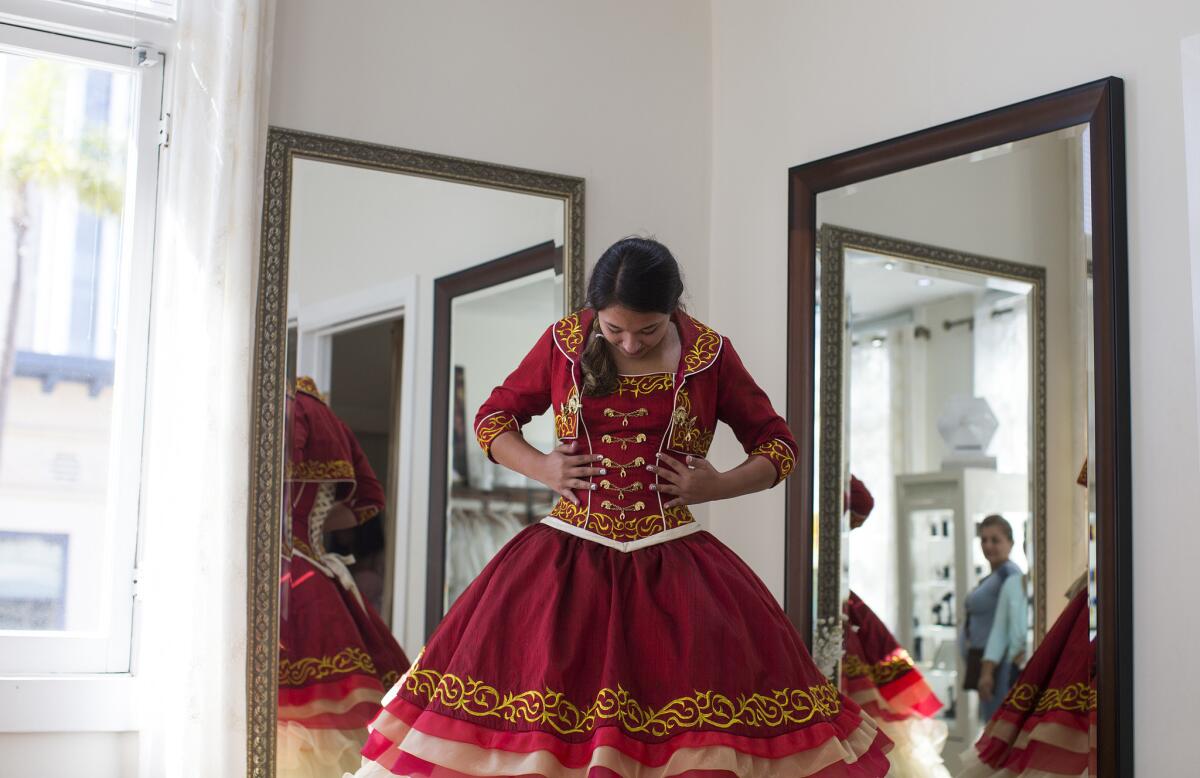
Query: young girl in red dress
<point>616,637</point>
<point>336,655</point>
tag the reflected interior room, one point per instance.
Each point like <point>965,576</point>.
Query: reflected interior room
<point>351,381</point>
<point>335,439</point>
<point>952,415</point>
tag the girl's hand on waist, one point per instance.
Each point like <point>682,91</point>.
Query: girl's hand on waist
<point>564,471</point>
<point>690,482</point>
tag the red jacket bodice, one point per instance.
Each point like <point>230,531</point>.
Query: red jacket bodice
<point>649,414</point>
<point>323,450</point>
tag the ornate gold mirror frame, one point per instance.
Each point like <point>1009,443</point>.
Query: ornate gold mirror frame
<point>269,391</point>
<point>834,242</point>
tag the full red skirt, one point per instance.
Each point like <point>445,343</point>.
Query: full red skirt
<point>1045,727</point>
<point>569,658</point>
<point>336,659</point>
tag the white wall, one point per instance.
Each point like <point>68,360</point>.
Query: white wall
<point>796,81</point>
<point>617,93</point>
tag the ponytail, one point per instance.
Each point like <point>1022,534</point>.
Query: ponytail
<point>599,368</point>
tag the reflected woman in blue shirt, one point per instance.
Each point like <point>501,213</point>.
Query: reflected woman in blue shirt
<point>997,617</point>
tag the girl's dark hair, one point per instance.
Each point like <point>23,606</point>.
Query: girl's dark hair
<point>996,520</point>
<point>636,273</point>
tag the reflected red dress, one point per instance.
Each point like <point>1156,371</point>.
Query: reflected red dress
<point>615,638</point>
<point>1044,727</point>
<point>879,675</point>
<point>336,655</point>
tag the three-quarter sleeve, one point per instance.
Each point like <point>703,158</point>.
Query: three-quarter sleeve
<point>745,407</point>
<point>1007,637</point>
<point>368,498</point>
<point>523,395</point>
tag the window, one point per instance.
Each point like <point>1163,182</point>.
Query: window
<point>79,145</point>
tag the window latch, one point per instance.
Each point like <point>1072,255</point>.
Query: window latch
<point>145,58</point>
<point>164,130</point>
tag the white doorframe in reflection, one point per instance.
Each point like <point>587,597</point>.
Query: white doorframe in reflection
<point>316,325</point>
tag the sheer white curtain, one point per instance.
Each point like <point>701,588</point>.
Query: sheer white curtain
<point>192,617</point>
<point>1002,378</point>
<point>872,460</point>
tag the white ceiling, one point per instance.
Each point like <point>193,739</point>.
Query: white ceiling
<point>879,285</point>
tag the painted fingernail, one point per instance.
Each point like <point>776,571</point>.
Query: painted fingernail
<point>598,457</point>
<point>654,487</point>
<point>603,471</point>
<point>658,456</point>
<point>650,468</point>
<point>593,487</point>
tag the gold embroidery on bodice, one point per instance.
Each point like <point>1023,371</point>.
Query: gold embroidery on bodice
<point>627,429</point>
<point>636,386</point>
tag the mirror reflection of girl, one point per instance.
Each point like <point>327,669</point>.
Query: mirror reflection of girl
<point>615,637</point>
<point>1046,727</point>
<point>337,657</point>
<point>879,675</point>
<point>997,616</point>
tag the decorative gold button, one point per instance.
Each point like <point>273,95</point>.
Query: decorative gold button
<point>625,416</point>
<point>623,468</point>
<point>636,486</point>
<point>612,506</point>
<point>624,440</point>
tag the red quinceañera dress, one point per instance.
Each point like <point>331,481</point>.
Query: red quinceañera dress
<point>615,638</point>
<point>336,655</point>
<point>1045,726</point>
<point>879,675</point>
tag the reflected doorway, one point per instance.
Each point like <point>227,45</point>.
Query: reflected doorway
<point>365,385</point>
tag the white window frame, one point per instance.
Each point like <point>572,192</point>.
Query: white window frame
<point>25,654</point>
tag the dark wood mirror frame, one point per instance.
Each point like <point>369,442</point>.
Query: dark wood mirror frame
<point>445,289</point>
<point>1099,104</point>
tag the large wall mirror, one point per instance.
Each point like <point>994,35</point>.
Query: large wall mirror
<point>959,553</point>
<point>381,267</point>
<point>485,317</point>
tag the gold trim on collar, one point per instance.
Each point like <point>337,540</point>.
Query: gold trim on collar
<point>568,334</point>
<point>308,386</point>
<point>704,349</point>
